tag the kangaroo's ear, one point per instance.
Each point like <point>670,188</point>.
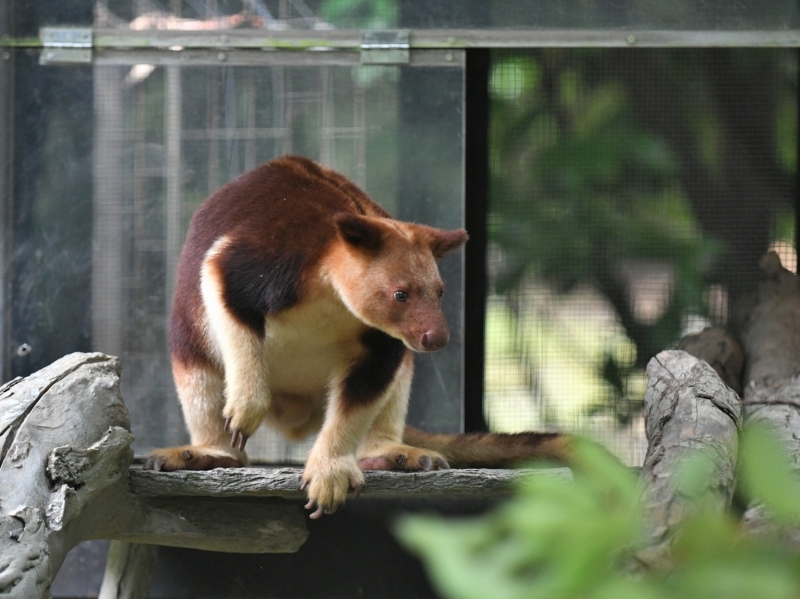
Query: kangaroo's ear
<point>360,232</point>
<point>442,242</point>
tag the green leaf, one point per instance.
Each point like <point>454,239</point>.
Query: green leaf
<point>766,475</point>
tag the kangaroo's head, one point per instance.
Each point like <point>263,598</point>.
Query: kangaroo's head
<point>385,272</point>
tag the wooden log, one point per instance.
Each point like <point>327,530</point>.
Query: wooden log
<point>64,478</point>
<point>249,525</point>
<point>285,482</point>
<point>768,323</point>
<point>721,351</point>
<point>74,401</point>
<point>687,409</point>
<point>129,571</point>
<point>247,510</point>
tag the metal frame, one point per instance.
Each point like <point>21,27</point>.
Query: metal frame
<point>427,39</point>
<point>244,57</point>
<point>476,198</point>
<point>6,185</point>
<point>431,39</point>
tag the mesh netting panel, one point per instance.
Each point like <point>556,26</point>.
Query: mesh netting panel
<point>169,136</point>
<point>632,195</point>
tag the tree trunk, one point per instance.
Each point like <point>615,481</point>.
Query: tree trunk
<point>768,322</point>
<point>74,402</point>
<point>687,409</point>
<point>64,478</point>
<point>129,571</point>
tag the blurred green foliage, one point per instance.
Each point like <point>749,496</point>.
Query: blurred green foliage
<point>570,539</point>
<point>606,165</point>
<point>579,187</point>
<point>365,14</point>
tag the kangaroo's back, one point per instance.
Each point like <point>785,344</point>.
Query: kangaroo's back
<point>283,212</point>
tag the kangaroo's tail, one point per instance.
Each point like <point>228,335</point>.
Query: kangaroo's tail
<point>492,450</point>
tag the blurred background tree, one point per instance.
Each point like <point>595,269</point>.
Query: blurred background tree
<point>653,179</point>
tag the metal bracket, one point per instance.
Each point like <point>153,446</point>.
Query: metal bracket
<point>385,46</point>
<point>65,45</point>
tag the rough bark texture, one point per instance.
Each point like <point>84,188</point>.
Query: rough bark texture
<point>768,322</point>
<point>64,474</point>
<point>208,523</point>
<point>129,571</point>
<point>687,408</point>
<point>285,482</point>
<point>76,402</point>
<point>65,477</point>
<point>721,351</point>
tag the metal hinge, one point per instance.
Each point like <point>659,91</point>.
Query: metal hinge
<point>65,45</point>
<point>384,46</point>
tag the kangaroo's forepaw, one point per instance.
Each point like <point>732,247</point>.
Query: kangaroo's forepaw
<point>404,458</point>
<point>242,420</point>
<point>189,458</point>
<point>327,482</point>
<point>238,438</point>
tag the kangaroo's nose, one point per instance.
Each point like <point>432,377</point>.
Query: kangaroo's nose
<point>435,339</point>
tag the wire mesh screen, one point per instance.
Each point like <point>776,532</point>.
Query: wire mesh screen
<point>632,195</point>
<point>167,137</point>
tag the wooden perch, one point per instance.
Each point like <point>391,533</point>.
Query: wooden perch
<point>64,474</point>
<point>687,408</point>
<point>768,323</point>
<point>65,477</point>
<point>285,482</point>
<point>74,402</point>
<point>769,327</point>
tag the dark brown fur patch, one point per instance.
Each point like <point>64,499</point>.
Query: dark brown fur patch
<point>257,284</point>
<point>360,233</point>
<point>370,377</point>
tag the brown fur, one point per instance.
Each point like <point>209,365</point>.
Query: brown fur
<point>490,450</point>
<point>298,303</point>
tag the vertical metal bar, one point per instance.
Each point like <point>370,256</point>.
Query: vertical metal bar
<point>284,115</point>
<point>476,185</point>
<point>212,124</point>
<point>139,290</point>
<point>109,212</point>
<point>250,120</point>
<point>326,143</point>
<point>360,134</point>
<point>281,112</point>
<point>229,111</point>
<point>6,189</point>
<point>797,169</point>
<point>172,135</point>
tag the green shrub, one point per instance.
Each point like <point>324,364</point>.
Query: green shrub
<point>561,538</point>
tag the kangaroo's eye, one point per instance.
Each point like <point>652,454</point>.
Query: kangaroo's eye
<point>441,293</point>
<point>400,296</point>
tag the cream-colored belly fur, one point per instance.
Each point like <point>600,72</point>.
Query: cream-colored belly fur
<point>308,349</point>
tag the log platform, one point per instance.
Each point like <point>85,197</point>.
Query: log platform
<point>67,475</point>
